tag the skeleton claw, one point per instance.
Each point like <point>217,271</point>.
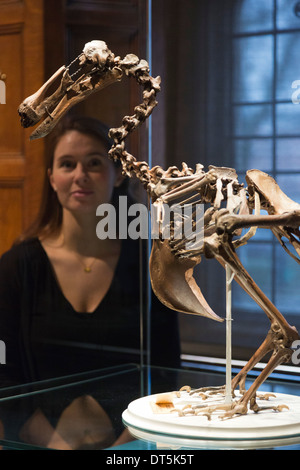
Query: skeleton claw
<point>281,407</point>
<point>266,396</point>
<point>185,388</point>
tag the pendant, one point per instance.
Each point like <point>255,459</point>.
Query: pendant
<point>87,269</point>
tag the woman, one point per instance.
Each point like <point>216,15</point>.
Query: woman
<point>70,302</point>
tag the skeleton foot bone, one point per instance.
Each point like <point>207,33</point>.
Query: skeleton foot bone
<point>238,406</point>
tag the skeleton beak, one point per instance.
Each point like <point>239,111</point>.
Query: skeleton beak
<point>173,283</point>
<point>97,70</point>
<point>34,107</point>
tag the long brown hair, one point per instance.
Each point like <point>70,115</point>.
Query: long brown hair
<point>49,218</point>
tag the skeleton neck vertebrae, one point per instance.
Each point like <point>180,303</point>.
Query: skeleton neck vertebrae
<point>231,206</point>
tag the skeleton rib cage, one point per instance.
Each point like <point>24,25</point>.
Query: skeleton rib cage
<point>230,206</point>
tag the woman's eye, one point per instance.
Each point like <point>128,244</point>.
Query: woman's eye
<point>95,163</point>
<point>66,164</point>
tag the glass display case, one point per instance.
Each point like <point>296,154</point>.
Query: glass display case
<point>143,329</point>
<point>116,388</point>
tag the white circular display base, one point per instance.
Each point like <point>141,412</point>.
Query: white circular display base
<point>265,429</point>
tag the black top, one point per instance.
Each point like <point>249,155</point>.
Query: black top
<point>45,337</point>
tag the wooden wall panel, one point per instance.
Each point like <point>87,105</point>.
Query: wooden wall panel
<point>21,162</point>
<point>11,65</point>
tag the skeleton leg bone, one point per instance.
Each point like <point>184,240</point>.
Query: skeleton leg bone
<point>231,222</point>
<point>281,334</point>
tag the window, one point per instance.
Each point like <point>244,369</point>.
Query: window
<point>266,131</point>
<point>250,122</point>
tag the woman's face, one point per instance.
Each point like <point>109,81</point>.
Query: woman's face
<point>82,174</point>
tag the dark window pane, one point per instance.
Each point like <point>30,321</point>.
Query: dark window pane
<point>253,69</point>
<point>287,64</point>
<point>253,15</point>
<point>287,293</point>
<point>253,120</point>
<point>288,154</point>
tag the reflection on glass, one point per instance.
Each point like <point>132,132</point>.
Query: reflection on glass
<point>254,120</point>
<point>253,69</point>
<point>253,153</point>
<point>257,259</point>
<point>286,18</point>
<point>287,294</point>
<point>288,154</point>
<point>287,64</point>
<point>253,15</point>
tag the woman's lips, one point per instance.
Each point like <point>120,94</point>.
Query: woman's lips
<point>81,193</point>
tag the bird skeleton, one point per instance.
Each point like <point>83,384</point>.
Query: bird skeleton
<point>231,206</point>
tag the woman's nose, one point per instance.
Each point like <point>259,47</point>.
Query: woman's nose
<point>80,173</point>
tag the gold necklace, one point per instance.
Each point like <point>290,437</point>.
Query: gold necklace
<point>87,269</point>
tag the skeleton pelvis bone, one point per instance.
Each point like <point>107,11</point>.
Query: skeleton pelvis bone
<point>231,206</point>
<point>173,282</point>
